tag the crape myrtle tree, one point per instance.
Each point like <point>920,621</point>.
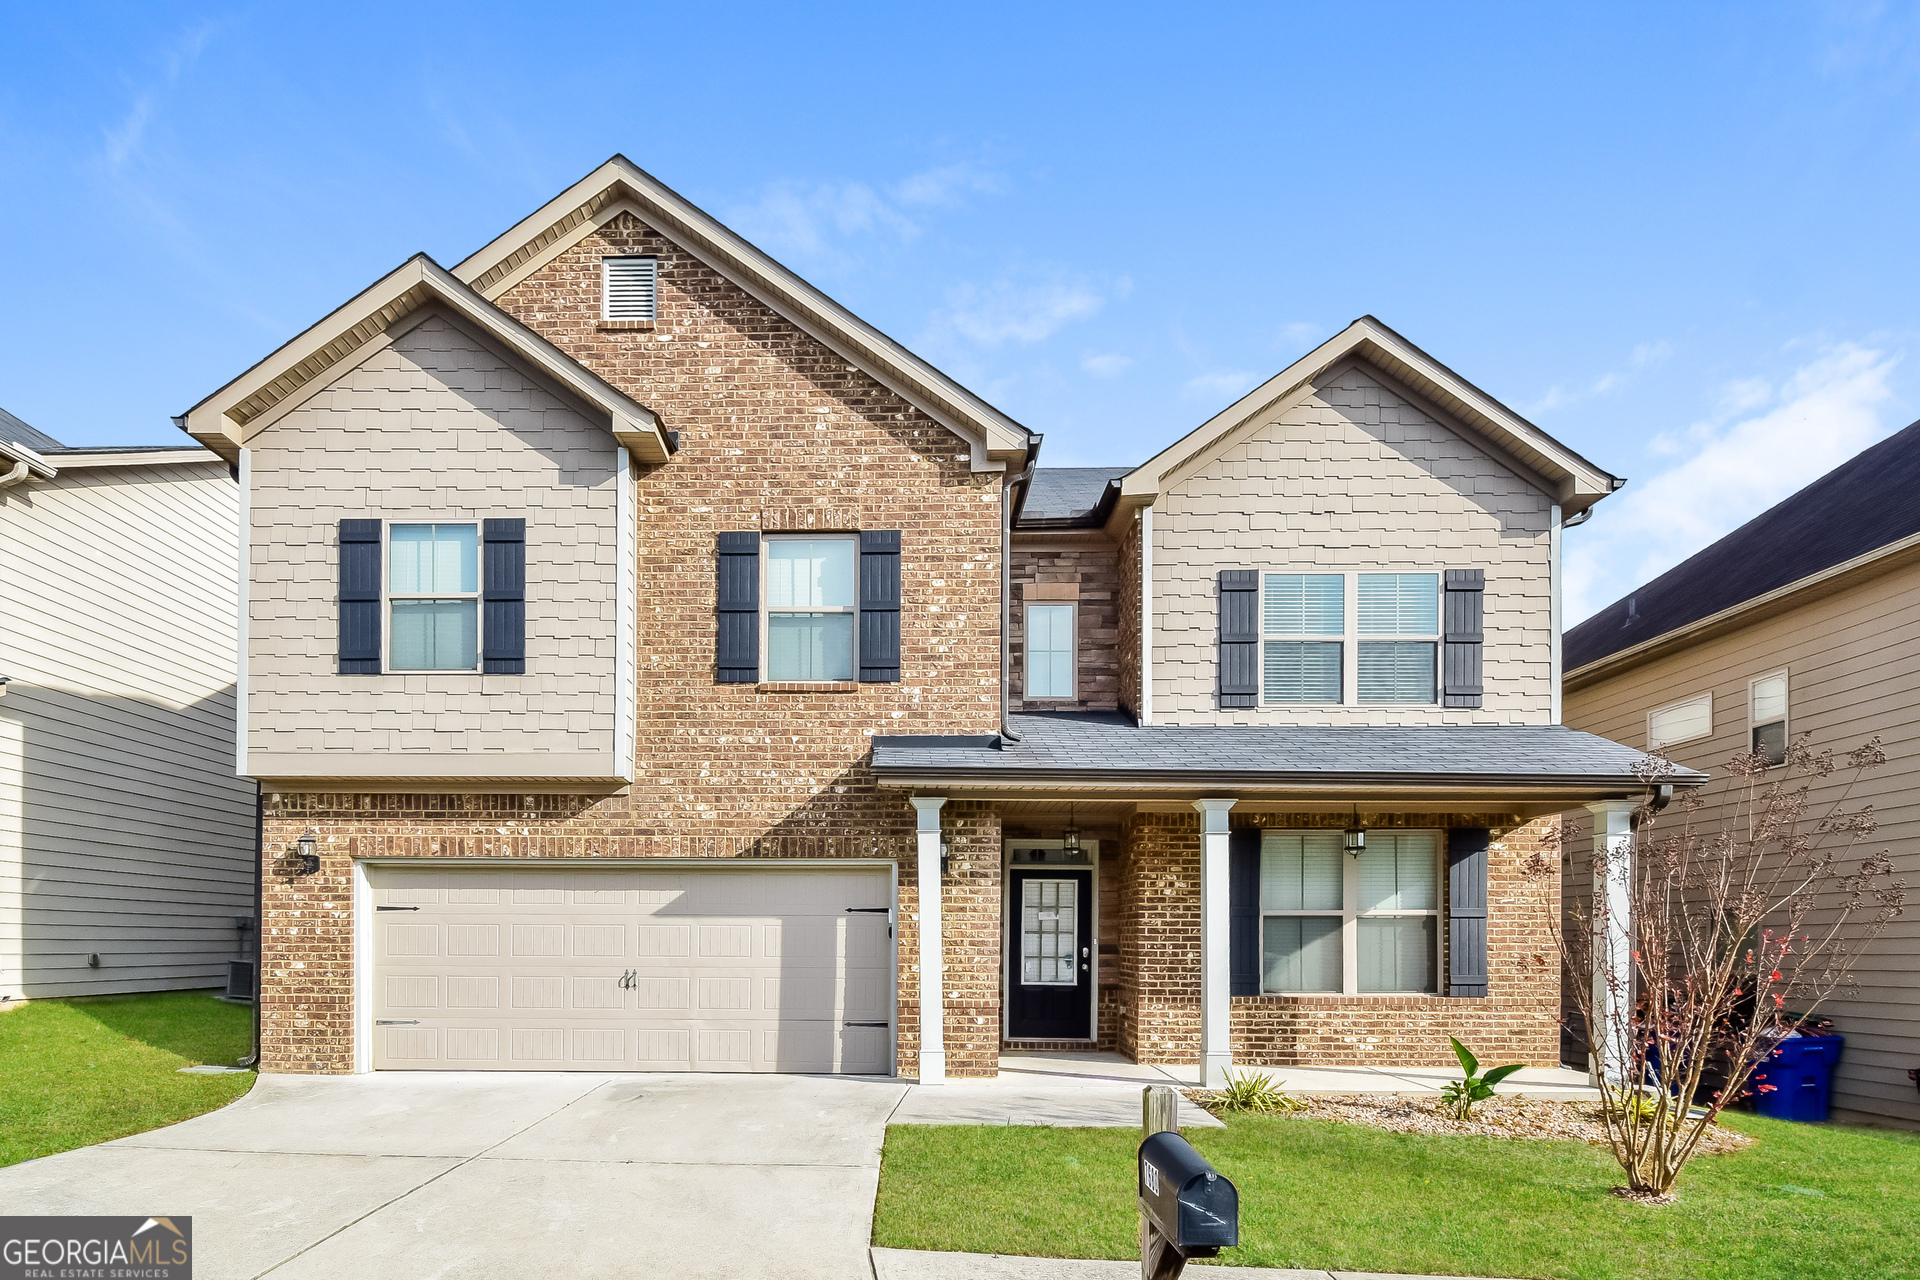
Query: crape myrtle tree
<point>1722,923</point>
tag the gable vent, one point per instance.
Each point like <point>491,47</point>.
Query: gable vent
<point>627,288</point>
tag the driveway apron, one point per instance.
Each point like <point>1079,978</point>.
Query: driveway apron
<point>422,1175</point>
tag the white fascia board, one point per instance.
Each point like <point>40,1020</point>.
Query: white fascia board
<point>157,458</point>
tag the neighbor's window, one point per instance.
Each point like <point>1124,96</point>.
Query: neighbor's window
<point>433,597</point>
<point>1050,651</point>
<point>1767,717</point>
<point>1339,924</point>
<point>1298,608</point>
<point>1680,722</point>
<point>810,608</point>
<point>627,288</point>
<point>1406,607</point>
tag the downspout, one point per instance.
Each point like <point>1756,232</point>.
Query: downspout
<point>259,906</point>
<point>16,475</point>
<point>1020,482</point>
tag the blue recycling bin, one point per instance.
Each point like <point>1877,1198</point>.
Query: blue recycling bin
<point>1800,1071</point>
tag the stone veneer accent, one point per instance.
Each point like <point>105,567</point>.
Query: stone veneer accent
<point>1091,564</point>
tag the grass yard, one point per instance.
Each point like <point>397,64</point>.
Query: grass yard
<point>77,1072</point>
<point>1805,1201</point>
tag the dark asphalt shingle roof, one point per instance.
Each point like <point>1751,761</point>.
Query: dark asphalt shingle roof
<point>1062,493</point>
<point>14,431</point>
<point>1861,505</point>
<point>1112,745</point>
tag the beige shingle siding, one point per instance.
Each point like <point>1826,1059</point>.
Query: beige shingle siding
<point>123,830</point>
<point>1357,478</point>
<point>1853,673</point>
<point>435,426</point>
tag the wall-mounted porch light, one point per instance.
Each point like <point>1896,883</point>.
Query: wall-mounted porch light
<point>306,859</point>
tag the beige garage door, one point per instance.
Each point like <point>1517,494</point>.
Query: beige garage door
<point>632,970</point>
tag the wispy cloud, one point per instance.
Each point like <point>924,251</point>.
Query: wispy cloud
<point>1645,356</point>
<point>124,138</point>
<point>948,185</point>
<point>1109,364</point>
<point>812,220</point>
<point>1025,307</point>
<point>1227,384</point>
<point>1764,443</point>
<point>1301,333</point>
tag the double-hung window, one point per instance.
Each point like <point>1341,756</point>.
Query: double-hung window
<point>1347,638</point>
<point>1050,651</point>
<point>1336,923</point>
<point>1767,717</point>
<point>811,608</point>
<point>433,597</point>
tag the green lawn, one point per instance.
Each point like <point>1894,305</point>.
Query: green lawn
<point>1805,1201</point>
<point>77,1072</point>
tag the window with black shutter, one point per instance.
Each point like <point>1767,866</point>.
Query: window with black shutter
<point>1239,591</point>
<point>1462,638</point>
<point>880,606</point>
<point>1467,911</point>
<point>359,598</point>
<point>737,643</point>
<point>503,624</point>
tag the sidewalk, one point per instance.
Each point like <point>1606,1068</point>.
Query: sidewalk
<point>908,1264</point>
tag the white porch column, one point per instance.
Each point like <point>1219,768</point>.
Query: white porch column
<point>1216,946</point>
<point>1612,938</point>
<point>933,998</point>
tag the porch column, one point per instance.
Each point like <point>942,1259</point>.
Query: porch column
<point>1216,946</point>
<point>1612,939</point>
<point>933,1000</point>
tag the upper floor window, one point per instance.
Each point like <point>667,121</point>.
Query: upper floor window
<point>627,288</point>
<point>1388,622</point>
<point>1050,642</point>
<point>433,597</point>
<point>1680,722</point>
<point>810,608</point>
<point>1335,923</point>
<point>1767,717</point>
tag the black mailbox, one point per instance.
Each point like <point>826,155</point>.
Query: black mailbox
<point>1189,1203</point>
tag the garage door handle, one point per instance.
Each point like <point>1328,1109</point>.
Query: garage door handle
<point>863,1024</point>
<point>875,910</point>
<point>396,908</point>
<point>395,1022</point>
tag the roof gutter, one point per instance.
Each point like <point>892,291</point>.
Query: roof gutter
<point>25,463</point>
<point>1317,781</point>
<point>1009,510</point>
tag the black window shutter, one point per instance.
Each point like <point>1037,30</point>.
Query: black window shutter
<point>359,597</point>
<point>1239,638</point>
<point>1467,911</point>
<point>880,606</point>
<point>737,650</point>
<point>1243,910</point>
<point>1460,643</point>
<point>503,625</point>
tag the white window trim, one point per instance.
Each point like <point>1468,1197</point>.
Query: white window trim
<point>1073,652</point>
<point>1785,721</point>
<point>767,609</point>
<point>388,595</point>
<point>1351,638</point>
<point>606,294</point>
<point>1653,745</point>
<point>1350,916</point>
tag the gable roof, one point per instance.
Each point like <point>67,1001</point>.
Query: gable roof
<point>224,420</point>
<point>1575,482</point>
<point>1069,497</point>
<point>1869,503</point>
<point>14,431</point>
<point>620,186</point>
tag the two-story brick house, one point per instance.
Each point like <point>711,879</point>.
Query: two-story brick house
<point>636,640</point>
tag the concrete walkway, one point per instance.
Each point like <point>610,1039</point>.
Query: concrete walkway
<point>907,1264</point>
<point>415,1175</point>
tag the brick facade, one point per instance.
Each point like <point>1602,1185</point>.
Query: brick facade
<point>1090,564</point>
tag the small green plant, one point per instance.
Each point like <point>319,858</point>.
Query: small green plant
<point>1460,1095</point>
<point>1254,1091</point>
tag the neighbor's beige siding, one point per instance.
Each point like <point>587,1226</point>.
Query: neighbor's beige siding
<point>1356,478</point>
<point>437,426</point>
<point>124,832</point>
<point>1853,664</point>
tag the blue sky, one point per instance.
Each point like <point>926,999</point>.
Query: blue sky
<point>1680,238</point>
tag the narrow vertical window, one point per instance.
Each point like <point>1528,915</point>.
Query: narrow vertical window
<point>433,594</point>
<point>1298,670</point>
<point>1050,651</point>
<point>1767,717</point>
<point>810,608</point>
<point>1405,606</point>
<point>627,288</point>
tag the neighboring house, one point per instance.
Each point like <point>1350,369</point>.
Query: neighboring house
<point>650,666</point>
<point>126,841</point>
<point>1803,622</point>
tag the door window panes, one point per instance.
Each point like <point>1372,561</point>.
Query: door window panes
<point>1049,932</point>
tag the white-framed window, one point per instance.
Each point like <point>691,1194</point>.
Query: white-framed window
<point>433,596</point>
<point>809,623</point>
<point>1680,722</point>
<point>1366,638</point>
<point>628,287</point>
<point>1767,717</point>
<point>1334,923</point>
<point>1050,650</point>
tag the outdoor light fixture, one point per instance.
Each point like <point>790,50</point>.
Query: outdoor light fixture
<point>1356,842</point>
<point>1070,838</point>
<point>306,861</point>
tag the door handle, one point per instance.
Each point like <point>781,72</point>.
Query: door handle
<point>396,908</point>
<point>629,980</point>
<point>863,1024</point>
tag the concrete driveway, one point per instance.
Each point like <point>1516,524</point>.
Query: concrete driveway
<point>413,1175</point>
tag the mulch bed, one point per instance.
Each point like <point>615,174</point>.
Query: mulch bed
<point>1496,1118</point>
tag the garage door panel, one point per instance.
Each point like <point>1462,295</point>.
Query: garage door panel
<point>616,970</point>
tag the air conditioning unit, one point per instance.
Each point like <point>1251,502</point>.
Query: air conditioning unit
<point>239,979</point>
